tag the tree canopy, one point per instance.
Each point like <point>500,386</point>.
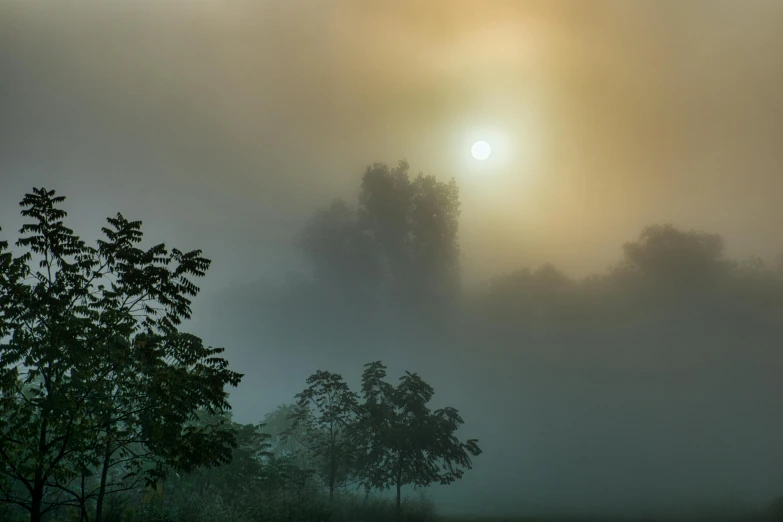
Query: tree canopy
<point>401,237</point>
<point>401,441</point>
<point>94,371</point>
<point>324,414</point>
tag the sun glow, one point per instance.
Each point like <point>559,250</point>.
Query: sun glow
<point>481,150</point>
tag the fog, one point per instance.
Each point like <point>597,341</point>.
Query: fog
<point>225,125</point>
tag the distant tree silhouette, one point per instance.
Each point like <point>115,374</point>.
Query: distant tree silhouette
<point>671,255</point>
<point>434,234</point>
<point>402,238</point>
<point>285,439</point>
<point>527,294</point>
<point>400,441</point>
<point>324,413</point>
<point>415,223</point>
<point>385,213</point>
<point>339,250</point>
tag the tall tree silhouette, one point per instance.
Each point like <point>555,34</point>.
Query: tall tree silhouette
<point>339,250</point>
<point>93,367</point>
<point>401,240</point>
<point>325,411</point>
<point>400,441</point>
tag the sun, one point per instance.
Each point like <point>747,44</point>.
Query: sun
<point>481,150</point>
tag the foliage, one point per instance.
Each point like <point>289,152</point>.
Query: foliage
<point>94,372</point>
<point>670,255</point>
<point>325,412</point>
<point>91,357</point>
<point>338,248</point>
<point>401,441</point>
<point>401,238</point>
<point>287,439</point>
<point>314,507</point>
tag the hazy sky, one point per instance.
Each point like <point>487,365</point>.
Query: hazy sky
<point>222,124</point>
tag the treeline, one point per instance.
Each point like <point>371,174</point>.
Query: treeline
<point>643,362</point>
<point>110,411</point>
<point>105,403</point>
<point>389,264</point>
<point>322,457</point>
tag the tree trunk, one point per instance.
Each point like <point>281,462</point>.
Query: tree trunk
<point>332,474</point>
<point>82,501</point>
<point>36,495</point>
<point>36,501</point>
<point>399,485</point>
<point>398,499</point>
<point>285,498</point>
<point>102,488</point>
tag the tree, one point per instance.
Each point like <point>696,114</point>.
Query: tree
<point>668,254</point>
<point>525,295</point>
<point>339,250</point>
<point>286,439</point>
<point>241,473</point>
<point>325,411</point>
<point>94,371</point>
<point>401,441</point>
<point>415,225</point>
<point>384,211</point>
<point>402,237</point>
<point>434,228</point>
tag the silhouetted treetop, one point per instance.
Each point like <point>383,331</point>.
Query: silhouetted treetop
<point>402,238</point>
<point>670,253</point>
<point>337,247</point>
<point>95,375</point>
